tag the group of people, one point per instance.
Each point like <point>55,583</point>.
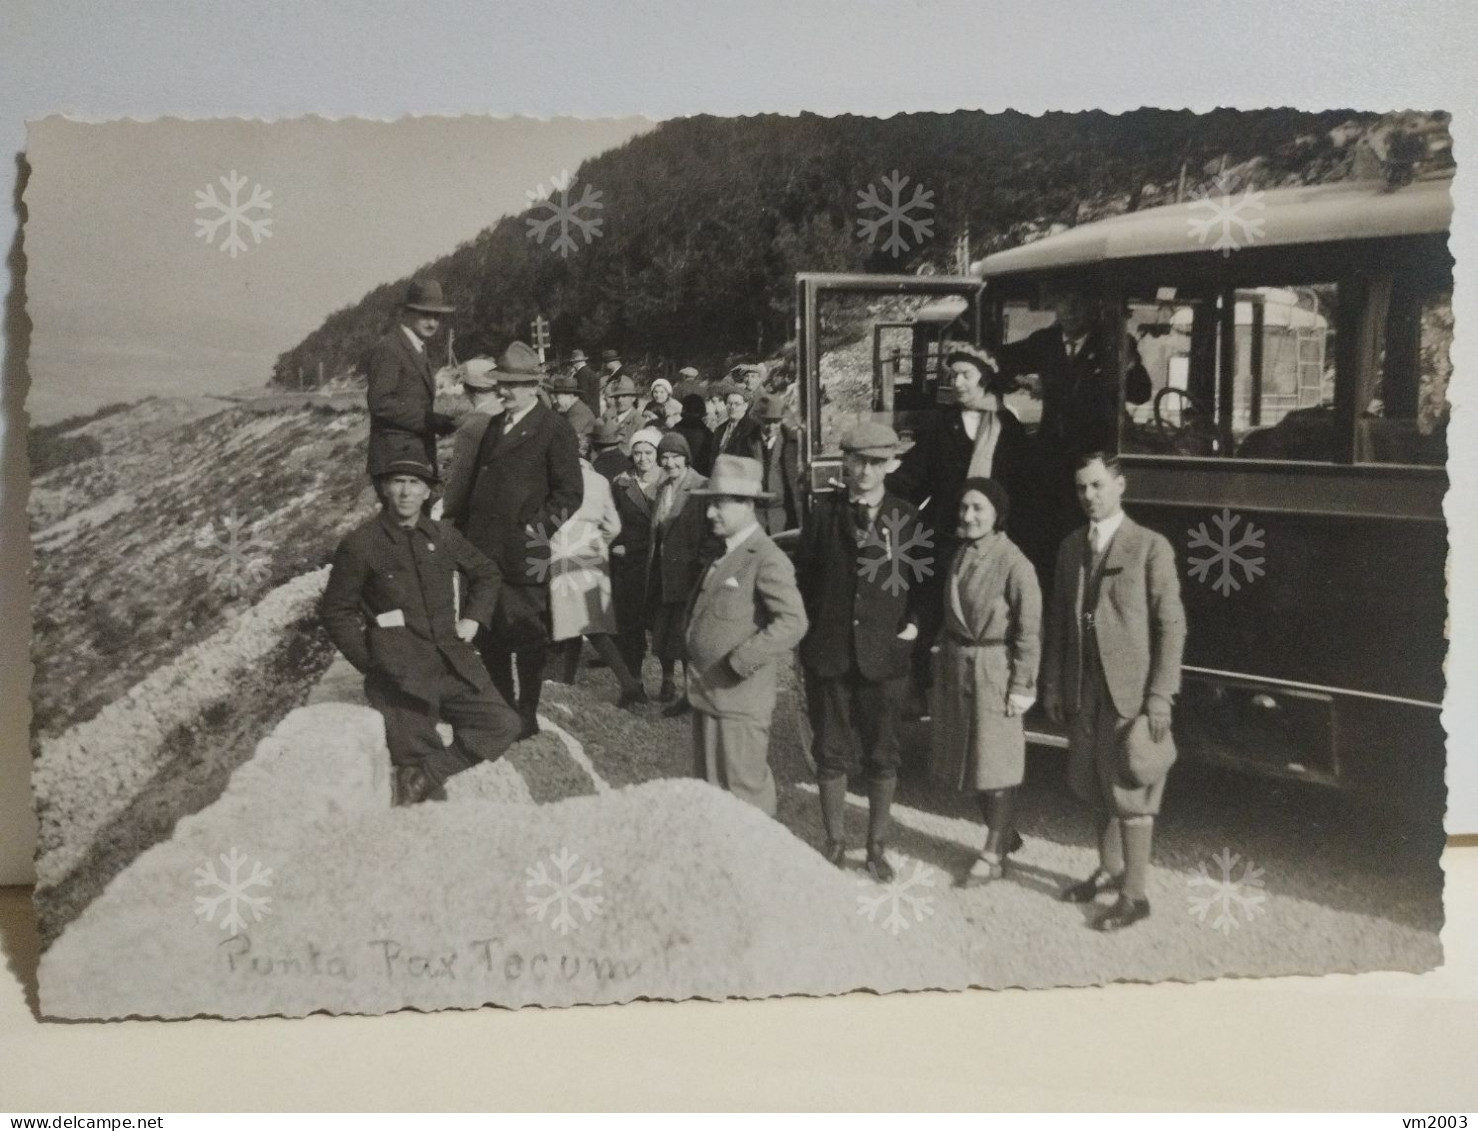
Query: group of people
<point>551,533</point>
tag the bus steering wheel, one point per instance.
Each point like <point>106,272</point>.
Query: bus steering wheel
<point>1192,410</point>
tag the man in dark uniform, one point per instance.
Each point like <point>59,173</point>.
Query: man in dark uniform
<point>525,484</point>
<point>402,384</point>
<point>391,608</point>
<point>587,381</point>
<point>1080,408</point>
<point>863,624</point>
<point>1112,648</point>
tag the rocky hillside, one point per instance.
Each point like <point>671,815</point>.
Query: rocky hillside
<point>180,513</point>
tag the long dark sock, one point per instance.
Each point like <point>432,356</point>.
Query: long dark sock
<point>879,806</point>
<point>607,650</point>
<point>530,680</point>
<point>1139,836</point>
<point>834,807</point>
<point>569,659</point>
<point>998,807</point>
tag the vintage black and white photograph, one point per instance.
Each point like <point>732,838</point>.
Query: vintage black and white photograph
<point>497,561</point>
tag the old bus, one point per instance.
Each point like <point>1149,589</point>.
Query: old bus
<point>1292,448</point>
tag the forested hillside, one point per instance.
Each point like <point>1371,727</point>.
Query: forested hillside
<point>706,220</point>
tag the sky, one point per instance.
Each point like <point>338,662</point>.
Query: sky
<point>128,300</point>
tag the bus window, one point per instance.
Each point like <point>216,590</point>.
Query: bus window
<point>1244,373</point>
<point>1404,420</point>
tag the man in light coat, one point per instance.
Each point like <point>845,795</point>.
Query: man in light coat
<point>746,616</point>
<point>1114,639</point>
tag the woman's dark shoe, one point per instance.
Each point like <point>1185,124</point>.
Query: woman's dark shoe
<point>673,710</point>
<point>633,698</point>
<point>668,691</point>
<point>877,865</point>
<point>835,853</point>
<point>1125,913</point>
<point>1090,889</point>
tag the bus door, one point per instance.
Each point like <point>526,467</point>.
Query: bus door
<point>870,347</point>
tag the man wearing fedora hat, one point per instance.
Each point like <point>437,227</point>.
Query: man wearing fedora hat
<point>402,383</point>
<point>525,484</point>
<point>863,627</point>
<point>745,618</point>
<point>621,408</point>
<point>587,380</point>
<point>780,456</point>
<point>605,445</point>
<point>390,607</point>
<point>1112,648</point>
<point>569,404</point>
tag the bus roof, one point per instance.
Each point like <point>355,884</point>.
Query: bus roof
<point>1344,210</point>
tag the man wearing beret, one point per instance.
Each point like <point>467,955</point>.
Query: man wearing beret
<point>524,485</point>
<point>1115,633</point>
<point>862,628</point>
<point>390,607</point>
<point>402,383</point>
<point>745,618</point>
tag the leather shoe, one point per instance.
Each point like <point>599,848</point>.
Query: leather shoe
<point>1090,889</point>
<point>983,871</point>
<point>673,710</point>
<point>877,865</point>
<point>1125,913</point>
<point>835,853</point>
<point>530,729</point>
<point>633,698</point>
<point>412,785</point>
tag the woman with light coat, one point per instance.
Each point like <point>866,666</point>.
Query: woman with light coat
<point>985,670</point>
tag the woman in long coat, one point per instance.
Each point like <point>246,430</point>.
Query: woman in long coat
<point>985,674</point>
<point>635,493</point>
<point>580,601</point>
<point>681,548</point>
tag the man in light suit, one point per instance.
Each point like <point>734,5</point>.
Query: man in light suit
<point>1115,635</point>
<point>402,384</point>
<point>746,616</point>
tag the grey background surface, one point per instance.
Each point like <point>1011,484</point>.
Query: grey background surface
<point>98,61</point>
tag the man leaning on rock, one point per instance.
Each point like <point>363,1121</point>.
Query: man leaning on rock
<point>391,607</point>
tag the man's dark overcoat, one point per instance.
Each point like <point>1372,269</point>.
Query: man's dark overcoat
<point>524,485</point>
<point>854,612</point>
<point>401,395</point>
<point>382,568</point>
